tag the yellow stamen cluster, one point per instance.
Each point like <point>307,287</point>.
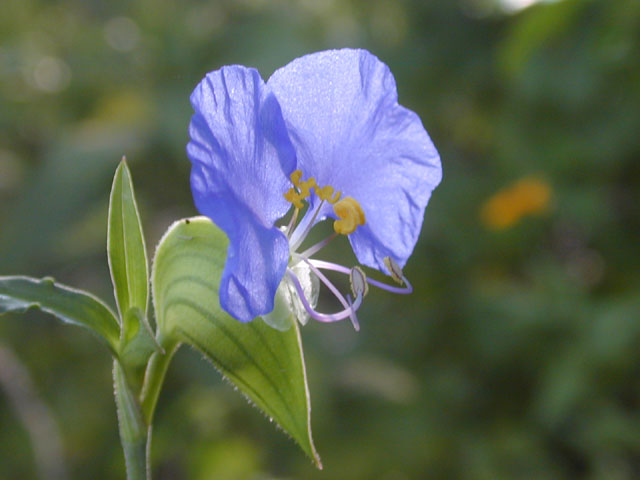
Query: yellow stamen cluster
<point>301,189</point>
<point>348,209</point>
<point>324,193</point>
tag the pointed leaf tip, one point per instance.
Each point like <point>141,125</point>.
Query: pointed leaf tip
<point>126,246</point>
<point>265,364</point>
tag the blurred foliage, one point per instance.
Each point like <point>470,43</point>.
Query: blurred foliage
<point>516,357</point>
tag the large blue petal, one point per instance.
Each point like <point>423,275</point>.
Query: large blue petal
<point>241,159</point>
<point>349,131</point>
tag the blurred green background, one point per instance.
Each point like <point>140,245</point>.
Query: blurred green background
<point>516,357</point>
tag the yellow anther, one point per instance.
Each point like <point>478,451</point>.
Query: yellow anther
<point>306,186</point>
<point>294,197</point>
<point>351,215</point>
<point>302,189</point>
<point>295,177</point>
<point>324,193</point>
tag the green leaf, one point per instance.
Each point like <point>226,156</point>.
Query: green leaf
<point>138,341</point>
<point>125,246</point>
<point>267,365</point>
<point>18,294</point>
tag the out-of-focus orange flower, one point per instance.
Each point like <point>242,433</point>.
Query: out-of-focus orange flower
<point>527,196</point>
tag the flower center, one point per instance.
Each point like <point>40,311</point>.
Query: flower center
<point>303,272</point>
<point>348,209</point>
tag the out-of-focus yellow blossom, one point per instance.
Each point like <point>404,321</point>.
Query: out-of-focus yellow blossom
<point>527,196</point>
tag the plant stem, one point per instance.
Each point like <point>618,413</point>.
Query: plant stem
<point>135,415</point>
<point>133,429</point>
<point>154,377</point>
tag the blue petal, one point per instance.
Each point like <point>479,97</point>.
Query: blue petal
<point>241,159</point>
<point>349,131</point>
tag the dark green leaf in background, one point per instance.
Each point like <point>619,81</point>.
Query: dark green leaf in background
<point>18,294</point>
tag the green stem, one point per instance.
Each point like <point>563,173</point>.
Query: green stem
<point>135,415</point>
<point>133,429</point>
<point>154,377</point>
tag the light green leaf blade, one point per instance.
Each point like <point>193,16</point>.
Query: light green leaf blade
<point>18,294</point>
<point>267,365</point>
<point>125,245</point>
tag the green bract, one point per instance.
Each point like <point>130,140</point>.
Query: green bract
<point>267,365</point>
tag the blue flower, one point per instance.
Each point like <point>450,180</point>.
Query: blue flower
<point>324,138</point>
